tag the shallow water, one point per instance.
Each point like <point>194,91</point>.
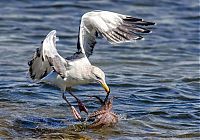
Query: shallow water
<point>156,80</point>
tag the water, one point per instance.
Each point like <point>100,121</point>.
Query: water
<point>156,80</point>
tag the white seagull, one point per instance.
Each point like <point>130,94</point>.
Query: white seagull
<point>49,67</point>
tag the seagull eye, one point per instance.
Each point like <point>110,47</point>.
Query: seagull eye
<point>98,77</point>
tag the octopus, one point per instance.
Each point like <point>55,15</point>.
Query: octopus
<point>103,117</point>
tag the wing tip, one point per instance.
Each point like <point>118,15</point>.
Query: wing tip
<point>138,21</point>
<point>139,38</point>
<point>51,33</point>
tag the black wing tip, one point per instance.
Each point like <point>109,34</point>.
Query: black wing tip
<point>138,21</point>
<point>146,31</point>
<point>139,38</point>
<point>132,19</point>
<point>30,63</point>
<point>31,75</point>
<point>149,23</point>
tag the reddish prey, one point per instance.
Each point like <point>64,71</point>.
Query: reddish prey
<point>103,117</point>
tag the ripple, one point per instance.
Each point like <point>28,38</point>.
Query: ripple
<point>188,80</point>
<point>58,6</point>
<point>158,113</point>
<point>182,116</point>
<point>164,126</point>
<point>156,80</point>
<point>189,135</point>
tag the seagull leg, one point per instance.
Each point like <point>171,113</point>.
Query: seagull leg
<point>80,103</point>
<point>73,110</point>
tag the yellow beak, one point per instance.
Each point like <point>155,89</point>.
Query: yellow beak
<point>105,86</point>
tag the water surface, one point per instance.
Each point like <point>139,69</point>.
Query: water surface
<point>156,80</point>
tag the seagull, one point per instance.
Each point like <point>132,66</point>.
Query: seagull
<point>47,66</point>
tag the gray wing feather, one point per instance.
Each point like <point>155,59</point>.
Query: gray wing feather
<point>58,65</point>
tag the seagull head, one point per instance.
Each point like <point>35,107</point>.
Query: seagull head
<point>99,76</point>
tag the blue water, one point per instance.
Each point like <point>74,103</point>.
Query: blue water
<point>156,80</point>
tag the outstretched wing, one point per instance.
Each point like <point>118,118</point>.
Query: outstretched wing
<point>46,59</point>
<point>116,28</point>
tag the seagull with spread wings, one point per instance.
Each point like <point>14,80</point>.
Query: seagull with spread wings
<point>49,67</point>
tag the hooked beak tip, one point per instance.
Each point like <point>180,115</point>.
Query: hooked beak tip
<point>105,86</point>
<point>108,91</point>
